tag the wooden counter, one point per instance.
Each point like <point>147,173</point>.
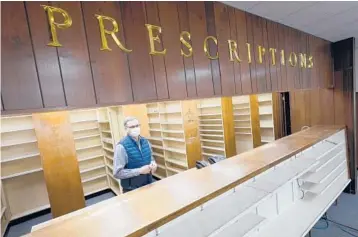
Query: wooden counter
<point>143,210</point>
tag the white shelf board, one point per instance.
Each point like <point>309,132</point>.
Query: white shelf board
<point>161,166</point>
<point>213,148</point>
<point>91,169</point>
<point>28,212</point>
<point>158,176</point>
<point>213,141</point>
<point>173,131</point>
<point>327,158</point>
<point>155,138</point>
<point>106,131</point>
<point>243,114</point>
<point>20,157</point>
<point>170,112</point>
<point>212,114</point>
<point>175,170</point>
<point>94,178</point>
<point>210,154</point>
<point>243,133</point>
<point>91,157</point>
<point>243,127</point>
<point>173,122</point>
<point>177,162</point>
<point>88,147</point>
<point>17,144</point>
<point>158,147</point>
<point>17,130</point>
<point>242,108</point>
<point>303,215</point>
<point>84,137</point>
<point>157,154</point>
<point>242,120</point>
<point>320,176</point>
<point>108,149</point>
<point>210,135</point>
<point>204,120</point>
<point>181,151</point>
<point>211,130</point>
<point>85,129</point>
<point>21,173</point>
<point>154,122</point>
<point>96,191</point>
<point>174,139</point>
<point>84,121</point>
<point>155,130</point>
<point>107,140</point>
<point>210,125</point>
<point>209,106</point>
<point>103,121</point>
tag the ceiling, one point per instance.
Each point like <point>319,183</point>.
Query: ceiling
<point>332,21</point>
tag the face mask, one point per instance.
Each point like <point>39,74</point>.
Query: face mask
<point>134,132</point>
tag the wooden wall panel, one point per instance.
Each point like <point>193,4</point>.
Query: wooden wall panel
<point>235,64</point>
<point>242,39</point>
<point>229,126</point>
<point>74,59</point>
<point>105,64</point>
<point>159,67</point>
<point>79,74</point>
<point>59,162</point>
<point>222,25</point>
<point>213,48</point>
<point>48,67</point>
<point>140,62</point>
<point>19,79</point>
<point>168,14</point>
<point>197,24</point>
<point>188,62</point>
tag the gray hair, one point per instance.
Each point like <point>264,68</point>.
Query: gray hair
<point>128,119</point>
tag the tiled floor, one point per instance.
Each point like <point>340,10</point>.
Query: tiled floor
<point>346,212</point>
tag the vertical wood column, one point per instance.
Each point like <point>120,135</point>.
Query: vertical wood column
<point>228,124</point>
<point>59,162</point>
<point>191,131</point>
<point>255,121</point>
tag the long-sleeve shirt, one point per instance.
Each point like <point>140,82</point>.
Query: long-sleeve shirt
<point>120,159</point>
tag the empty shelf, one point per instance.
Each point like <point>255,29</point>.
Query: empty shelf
<point>158,176</point>
<point>158,154</point>
<point>181,151</point>
<point>84,137</point>
<point>213,148</point>
<point>173,139</point>
<point>210,154</point>
<point>155,130</point>
<point>21,173</point>
<point>154,122</point>
<point>20,157</point>
<point>210,135</point>
<point>177,162</point>
<point>161,166</point>
<point>103,121</point>
<point>243,133</point>
<point>243,127</point>
<point>93,168</point>
<point>88,147</point>
<point>152,112</point>
<point>85,129</point>
<point>108,149</point>
<point>214,141</point>
<point>155,138</point>
<point>175,170</point>
<point>106,131</point>
<point>242,120</point>
<point>213,114</point>
<point>210,119</point>
<point>328,157</point>
<point>110,166</point>
<point>173,131</point>
<point>208,106</point>
<point>210,130</point>
<point>157,147</point>
<point>243,114</point>
<point>85,120</point>
<point>94,178</point>
<point>90,157</point>
<point>17,144</point>
<point>210,125</point>
<point>242,108</point>
<point>267,141</point>
<point>241,227</point>
<point>178,122</point>
<point>111,158</point>
<point>107,140</point>
<point>170,112</point>
<point>17,130</point>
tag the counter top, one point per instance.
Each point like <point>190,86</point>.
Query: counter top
<point>141,211</point>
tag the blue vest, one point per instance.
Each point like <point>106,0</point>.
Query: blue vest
<point>136,159</point>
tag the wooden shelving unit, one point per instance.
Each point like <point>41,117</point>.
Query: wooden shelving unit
<point>90,156</point>
<point>5,211</point>
<point>173,129</point>
<point>266,112</point>
<point>216,127</point>
<point>21,170</point>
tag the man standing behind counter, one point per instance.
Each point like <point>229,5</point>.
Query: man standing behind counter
<point>133,159</point>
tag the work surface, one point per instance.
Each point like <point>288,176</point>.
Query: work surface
<point>140,211</point>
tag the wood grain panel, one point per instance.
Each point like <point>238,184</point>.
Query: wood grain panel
<point>257,26</point>
<point>255,121</point>
<point>288,50</point>
<point>250,40</point>
<point>339,98</point>
<point>274,70</point>
<point>283,66</point>
<point>140,63</point>
<point>305,72</point>
<point>19,79</point>
<point>222,26</point>
<point>235,64</point>
<point>48,67</point>
<point>188,62</point>
<point>74,59</point>
<point>168,14</point>
<point>197,24</point>
<point>59,162</point>
<point>315,69</point>
<point>211,31</point>
<point>296,49</point>
<point>159,67</point>
<point>105,64</point>
<point>266,58</point>
<point>229,126</point>
<point>242,37</point>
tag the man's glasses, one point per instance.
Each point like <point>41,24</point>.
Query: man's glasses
<point>134,126</point>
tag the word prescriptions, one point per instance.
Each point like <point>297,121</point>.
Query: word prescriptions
<point>301,59</point>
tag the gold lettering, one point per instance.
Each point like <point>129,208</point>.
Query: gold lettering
<point>310,62</point>
<point>283,57</point>
<point>153,38</point>
<point>262,51</point>
<point>273,56</point>
<point>303,60</point>
<point>186,43</point>
<point>51,20</point>
<point>233,50</point>
<point>293,62</point>
<point>206,50</point>
<point>112,33</point>
<point>248,52</point>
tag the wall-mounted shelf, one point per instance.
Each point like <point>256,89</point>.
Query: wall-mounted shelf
<point>21,174</point>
